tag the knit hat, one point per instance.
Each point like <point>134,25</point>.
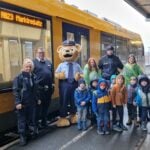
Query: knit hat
<point>81,81</point>
<point>133,78</point>
<point>144,78</point>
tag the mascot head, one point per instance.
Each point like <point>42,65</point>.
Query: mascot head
<point>69,51</point>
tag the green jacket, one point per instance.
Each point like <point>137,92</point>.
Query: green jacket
<point>90,75</point>
<point>130,70</point>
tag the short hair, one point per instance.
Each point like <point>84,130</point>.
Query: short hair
<point>28,61</point>
<point>41,48</point>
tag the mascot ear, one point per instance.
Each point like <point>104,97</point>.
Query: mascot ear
<point>78,46</point>
<point>59,49</point>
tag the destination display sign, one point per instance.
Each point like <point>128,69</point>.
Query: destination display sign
<point>21,19</point>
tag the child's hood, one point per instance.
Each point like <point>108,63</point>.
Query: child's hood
<point>102,81</point>
<point>113,77</point>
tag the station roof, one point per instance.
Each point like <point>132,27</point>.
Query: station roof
<point>143,6</point>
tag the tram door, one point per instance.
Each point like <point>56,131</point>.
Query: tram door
<point>79,35</point>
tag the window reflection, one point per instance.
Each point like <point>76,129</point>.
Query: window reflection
<point>18,42</point>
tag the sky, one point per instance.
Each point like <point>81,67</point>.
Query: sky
<point>120,12</point>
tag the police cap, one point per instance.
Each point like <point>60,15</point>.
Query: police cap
<point>69,43</point>
<point>109,47</point>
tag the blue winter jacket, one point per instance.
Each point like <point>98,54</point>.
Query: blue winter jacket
<point>97,95</point>
<point>81,96</point>
<point>141,97</point>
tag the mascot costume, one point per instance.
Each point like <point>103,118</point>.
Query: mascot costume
<point>68,73</point>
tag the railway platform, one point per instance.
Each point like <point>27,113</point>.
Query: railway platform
<point>71,139</point>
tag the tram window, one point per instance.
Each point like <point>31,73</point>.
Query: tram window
<point>121,49</point>
<point>27,49</point>
<point>18,42</point>
<point>106,39</point>
<point>84,51</point>
<point>70,36</point>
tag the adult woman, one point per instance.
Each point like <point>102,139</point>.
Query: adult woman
<point>25,92</point>
<point>91,71</point>
<point>131,68</point>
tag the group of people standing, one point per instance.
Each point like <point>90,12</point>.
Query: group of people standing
<point>105,87</point>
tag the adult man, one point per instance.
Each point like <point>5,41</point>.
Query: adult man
<point>109,63</point>
<point>43,71</point>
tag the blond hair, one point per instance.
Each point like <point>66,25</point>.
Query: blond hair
<point>27,61</point>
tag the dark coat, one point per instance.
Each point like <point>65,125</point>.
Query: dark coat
<point>25,89</point>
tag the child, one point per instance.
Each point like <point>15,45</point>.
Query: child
<point>100,106</point>
<point>82,97</point>
<point>143,99</point>
<point>113,81</point>
<point>119,99</point>
<point>25,91</point>
<point>132,109</point>
<point>93,87</point>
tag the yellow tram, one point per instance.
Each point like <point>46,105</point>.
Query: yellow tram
<point>26,25</point>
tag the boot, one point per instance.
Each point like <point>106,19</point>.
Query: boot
<point>136,124</point>
<point>35,132</point>
<point>84,125</point>
<point>143,126</point>
<point>79,125</point>
<point>100,131</point>
<point>23,140</point>
<point>129,122</point>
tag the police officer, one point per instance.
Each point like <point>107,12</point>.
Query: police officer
<point>43,71</point>
<point>25,91</point>
<point>110,64</point>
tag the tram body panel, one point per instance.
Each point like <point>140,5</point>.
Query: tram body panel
<point>61,22</point>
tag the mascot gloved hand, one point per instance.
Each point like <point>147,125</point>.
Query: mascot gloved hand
<point>68,73</point>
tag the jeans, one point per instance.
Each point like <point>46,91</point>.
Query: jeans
<point>145,113</point>
<point>103,118</point>
<point>82,113</point>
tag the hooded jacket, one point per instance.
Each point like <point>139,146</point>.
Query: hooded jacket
<point>143,92</point>
<point>81,96</point>
<point>100,96</point>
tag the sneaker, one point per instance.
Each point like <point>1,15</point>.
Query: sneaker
<point>123,127</point>
<point>107,132</point>
<point>136,124</point>
<point>129,122</point>
<point>100,132</point>
<point>143,127</point>
<point>116,128</point>
<point>23,140</point>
